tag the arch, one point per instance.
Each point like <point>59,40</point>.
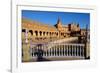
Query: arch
<point>36,33</point>
<point>23,30</point>
<point>47,33</point>
<point>40,33</point>
<point>31,32</point>
<point>61,34</point>
<point>44,33</point>
<point>57,33</point>
<point>50,33</point>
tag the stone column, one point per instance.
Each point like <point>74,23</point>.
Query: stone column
<point>51,51</point>
<point>80,50</point>
<point>26,36</point>
<point>59,50</point>
<point>48,52</point>
<point>63,50</point>
<point>72,50</point>
<point>77,50</point>
<point>26,52</point>
<point>55,51</point>
<point>32,52</point>
<point>67,49</point>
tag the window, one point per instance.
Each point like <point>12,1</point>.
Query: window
<point>50,33</point>
<point>47,33</point>
<point>31,32</point>
<point>57,34</point>
<point>36,32</point>
<point>40,33</point>
<point>62,34</point>
<point>43,33</point>
<point>23,30</point>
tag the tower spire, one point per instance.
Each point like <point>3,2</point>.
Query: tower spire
<point>59,24</point>
<point>58,21</point>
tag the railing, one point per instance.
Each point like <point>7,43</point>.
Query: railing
<point>58,50</point>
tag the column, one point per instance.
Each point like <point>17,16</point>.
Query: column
<point>59,51</point>
<point>52,51</point>
<point>41,47</point>
<point>72,50</point>
<point>48,52</point>
<point>83,51</point>
<point>55,50</point>
<point>26,36</point>
<point>63,50</point>
<point>80,50</point>
<point>67,50</point>
<point>77,50</point>
<point>32,52</point>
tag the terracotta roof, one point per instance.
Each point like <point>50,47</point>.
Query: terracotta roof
<point>29,21</point>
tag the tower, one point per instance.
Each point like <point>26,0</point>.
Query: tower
<point>59,24</point>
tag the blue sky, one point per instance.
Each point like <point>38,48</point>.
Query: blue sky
<point>48,17</point>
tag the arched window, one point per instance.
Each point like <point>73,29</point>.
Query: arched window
<point>36,32</point>
<point>50,33</point>
<point>47,33</point>
<point>31,32</point>
<point>57,34</point>
<point>43,33</point>
<point>40,33</point>
<point>23,30</point>
<point>61,33</point>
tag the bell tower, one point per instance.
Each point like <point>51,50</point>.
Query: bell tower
<point>59,24</point>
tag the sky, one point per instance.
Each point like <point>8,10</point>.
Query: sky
<point>48,17</point>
